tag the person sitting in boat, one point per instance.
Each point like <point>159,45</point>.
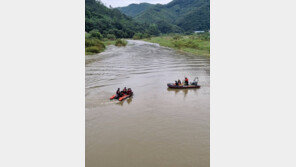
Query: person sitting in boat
<point>124,90</point>
<point>129,91</point>
<point>179,82</point>
<point>176,83</point>
<point>118,92</point>
<point>186,81</point>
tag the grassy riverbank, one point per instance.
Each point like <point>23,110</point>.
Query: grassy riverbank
<point>95,43</point>
<point>198,44</point>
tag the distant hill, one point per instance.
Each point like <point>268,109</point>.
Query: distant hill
<point>133,10</point>
<point>176,16</point>
<point>110,21</point>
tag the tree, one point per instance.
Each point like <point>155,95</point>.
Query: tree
<point>111,36</point>
<point>96,34</point>
<point>138,36</point>
<point>153,29</point>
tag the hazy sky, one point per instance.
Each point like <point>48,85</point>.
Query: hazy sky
<point>119,3</point>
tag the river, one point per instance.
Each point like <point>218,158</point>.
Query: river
<point>157,127</point>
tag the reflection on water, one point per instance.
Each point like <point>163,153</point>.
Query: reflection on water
<point>184,91</point>
<point>127,101</point>
<point>158,127</point>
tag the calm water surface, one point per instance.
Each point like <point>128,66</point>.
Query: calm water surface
<point>158,127</point>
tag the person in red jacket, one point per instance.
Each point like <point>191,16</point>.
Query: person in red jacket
<point>129,91</point>
<point>186,81</point>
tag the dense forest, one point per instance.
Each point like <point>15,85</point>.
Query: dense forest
<point>135,9</point>
<point>110,22</point>
<point>176,16</point>
<point>144,20</point>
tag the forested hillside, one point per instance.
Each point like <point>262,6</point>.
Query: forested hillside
<point>176,16</point>
<point>110,21</point>
<point>154,23</point>
<point>135,9</point>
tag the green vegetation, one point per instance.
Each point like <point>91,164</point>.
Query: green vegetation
<point>120,42</point>
<point>108,26</point>
<point>95,49</point>
<point>111,36</point>
<point>95,34</point>
<point>141,36</point>
<point>93,45</point>
<point>108,42</point>
<point>110,21</point>
<point>135,9</point>
<point>175,17</point>
<point>178,16</point>
<point>198,44</point>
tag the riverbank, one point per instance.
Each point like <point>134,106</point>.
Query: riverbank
<point>94,46</point>
<point>197,44</point>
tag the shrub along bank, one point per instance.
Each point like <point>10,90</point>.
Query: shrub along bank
<point>96,43</point>
<point>198,44</point>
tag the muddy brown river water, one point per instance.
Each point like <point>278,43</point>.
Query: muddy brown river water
<point>157,127</point>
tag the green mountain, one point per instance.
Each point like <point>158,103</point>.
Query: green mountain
<point>176,16</point>
<point>110,21</point>
<point>133,10</point>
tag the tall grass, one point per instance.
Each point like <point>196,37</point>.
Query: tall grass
<point>93,45</point>
<point>198,44</point>
<point>141,36</point>
<point>120,42</point>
